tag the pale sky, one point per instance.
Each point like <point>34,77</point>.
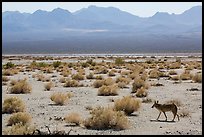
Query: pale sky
<point>142,9</point>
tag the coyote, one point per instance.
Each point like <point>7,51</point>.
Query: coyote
<point>166,107</point>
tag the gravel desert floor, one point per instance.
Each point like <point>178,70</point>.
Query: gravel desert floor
<point>185,92</point>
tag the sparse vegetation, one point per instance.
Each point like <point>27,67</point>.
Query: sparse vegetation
<point>13,105</point>
<point>48,86</point>
<point>21,87</point>
<point>71,83</point>
<point>106,118</point>
<point>59,98</point>
<point>73,118</point>
<point>108,90</point>
<point>197,78</point>
<point>78,76</point>
<point>127,104</point>
<point>20,117</point>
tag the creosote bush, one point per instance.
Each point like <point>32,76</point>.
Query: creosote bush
<point>13,105</point>
<point>106,118</point>
<point>197,78</point>
<point>48,86</point>
<point>73,118</point>
<point>60,98</point>
<point>19,129</point>
<point>20,117</point>
<point>78,76</point>
<point>108,90</point>
<point>141,92</point>
<point>127,104</point>
<point>71,83</point>
<point>137,84</point>
<point>21,87</point>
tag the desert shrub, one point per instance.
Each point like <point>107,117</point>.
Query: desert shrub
<point>175,78</point>
<point>111,73</point>
<point>108,90</point>
<point>65,73</point>
<point>71,83</point>
<point>78,76</point>
<point>121,84</point>
<point>98,83</point>
<point>154,73</point>
<point>48,70</point>
<point>56,64</point>
<point>19,129</point>
<point>127,104</point>
<point>5,79</point>
<point>99,77</point>
<point>174,65</point>
<point>21,87</point>
<point>90,76</point>
<point>185,75</point>
<point>137,84</point>
<point>62,80</point>
<point>197,78</point>
<point>141,92</point>
<point>20,117</point>
<point>73,118</point>
<point>172,72</point>
<point>106,118</point>
<point>42,64</point>
<point>91,62</point>
<point>177,102</point>
<point>123,79</point>
<point>102,70</point>
<point>84,64</point>
<point>119,61</point>
<point>13,105</point>
<point>48,86</point>
<point>109,81</point>
<point>8,65</point>
<point>59,98</point>
<point>7,72</point>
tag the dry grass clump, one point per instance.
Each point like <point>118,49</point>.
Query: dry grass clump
<point>73,118</point>
<point>137,84</point>
<point>108,90</point>
<point>78,76</point>
<point>175,78</point>
<point>41,77</point>
<point>98,83</point>
<point>20,117</point>
<point>141,92</point>
<point>197,78</point>
<point>19,129</point>
<point>174,65</point>
<point>48,86</point>
<point>71,83</point>
<point>154,73</point>
<point>109,81</point>
<point>123,79</point>
<point>127,104</point>
<point>5,79</point>
<point>99,77</point>
<point>65,72</point>
<point>172,72</point>
<point>13,105</point>
<point>106,118</point>
<point>177,102</point>
<point>186,75</point>
<point>21,87</point>
<point>7,72</point>
<point>62,80</point>
<point>60,98</point>
<point>90,76</point>
<point>111,73</point>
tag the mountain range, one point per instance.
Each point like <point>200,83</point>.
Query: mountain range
<point>101,30</point>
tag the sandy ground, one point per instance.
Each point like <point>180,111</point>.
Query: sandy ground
<point>142,122</point>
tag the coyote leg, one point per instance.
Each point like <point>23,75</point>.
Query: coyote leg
<point>159,115</point>
<point>165,115</point>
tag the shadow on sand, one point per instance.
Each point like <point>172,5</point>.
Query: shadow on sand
<point>154,120</point>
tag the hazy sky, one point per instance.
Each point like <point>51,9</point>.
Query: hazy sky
<point>142,9</point>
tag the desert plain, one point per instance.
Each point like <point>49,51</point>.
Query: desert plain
<point>164,79</point>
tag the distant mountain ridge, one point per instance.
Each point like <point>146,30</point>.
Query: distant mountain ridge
<point>100,23</point>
